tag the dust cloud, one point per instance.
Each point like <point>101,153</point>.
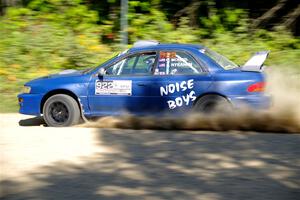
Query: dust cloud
<point>282,117</point>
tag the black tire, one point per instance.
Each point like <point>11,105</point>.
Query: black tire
<point>61,110</point>
<point>212,104</point>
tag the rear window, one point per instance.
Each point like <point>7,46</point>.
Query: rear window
<point>224,62</point>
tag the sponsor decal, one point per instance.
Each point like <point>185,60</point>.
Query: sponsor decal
<point>181,64</point>
<point>162,65</point>
<point>182,86</point>
<point>113,87</point>
<point>163,55</point>
<point>179,59</point>
<point>173,71</point>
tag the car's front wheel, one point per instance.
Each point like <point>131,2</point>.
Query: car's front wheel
<point>61,110</point>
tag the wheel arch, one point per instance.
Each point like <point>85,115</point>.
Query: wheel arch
<point>59,91</point>
<point>211,93</point>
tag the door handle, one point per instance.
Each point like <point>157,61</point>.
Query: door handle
<point>142,84</point>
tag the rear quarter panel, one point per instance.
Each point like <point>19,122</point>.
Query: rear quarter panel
<point>235,82</point>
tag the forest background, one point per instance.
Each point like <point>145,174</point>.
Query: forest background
<point>39,37</point>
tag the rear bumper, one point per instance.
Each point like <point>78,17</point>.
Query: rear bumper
<point>30,104</point>
<point>252,101</point>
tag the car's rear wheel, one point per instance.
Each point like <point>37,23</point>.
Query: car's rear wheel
<point>61,110</point>
<point>212,104</point>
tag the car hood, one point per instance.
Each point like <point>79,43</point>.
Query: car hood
<point>65,73</point>
<point>62,74</point>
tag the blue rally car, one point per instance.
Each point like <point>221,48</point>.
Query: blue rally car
<point>149,78</point>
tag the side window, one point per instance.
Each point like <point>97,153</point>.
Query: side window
<point>128,65</point>
<point>138,64</point>
<point>176,62</point>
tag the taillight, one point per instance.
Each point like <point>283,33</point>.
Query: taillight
<point>256,87</point>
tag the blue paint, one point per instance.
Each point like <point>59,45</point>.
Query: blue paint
<point>145,97</point>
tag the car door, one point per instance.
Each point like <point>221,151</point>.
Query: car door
<point>125,87</point>
<point>181,79</point>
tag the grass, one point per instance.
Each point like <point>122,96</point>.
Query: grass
<point>9,103</point>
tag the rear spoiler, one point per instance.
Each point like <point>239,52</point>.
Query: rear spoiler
<point>255,63</point>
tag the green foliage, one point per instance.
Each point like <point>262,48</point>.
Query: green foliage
<point>225,20</point>
<point>47,36</point>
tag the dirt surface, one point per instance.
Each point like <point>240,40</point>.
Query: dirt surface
<point>88,163</point>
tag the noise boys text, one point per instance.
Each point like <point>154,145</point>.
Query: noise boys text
<point>179,87</point>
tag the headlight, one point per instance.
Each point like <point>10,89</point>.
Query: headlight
<point>26,89</point>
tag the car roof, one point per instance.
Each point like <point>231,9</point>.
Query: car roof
<point>153,45</point>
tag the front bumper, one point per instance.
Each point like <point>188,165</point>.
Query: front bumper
<point>252,101</point>
<point>30,104</point>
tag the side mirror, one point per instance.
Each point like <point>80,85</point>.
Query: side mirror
<point>101,73</point>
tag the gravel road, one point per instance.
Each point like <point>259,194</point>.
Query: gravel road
<point>88,163</point>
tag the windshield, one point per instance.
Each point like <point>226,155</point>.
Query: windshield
<point>221,60</point>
